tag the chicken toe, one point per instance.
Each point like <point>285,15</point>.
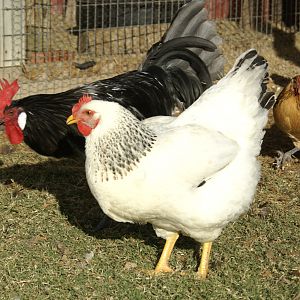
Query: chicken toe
<point>284,157</point>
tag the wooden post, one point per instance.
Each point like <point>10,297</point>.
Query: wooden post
<point>246,14</point>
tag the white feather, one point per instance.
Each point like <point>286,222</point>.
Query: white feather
<point>22,118</point>
<point>215,142</point>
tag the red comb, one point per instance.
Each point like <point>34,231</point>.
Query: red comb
<point>7,92</point>
<point>84,99</point>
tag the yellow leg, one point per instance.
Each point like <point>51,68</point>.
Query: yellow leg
<point>163,263</point>
<point>203,268</point>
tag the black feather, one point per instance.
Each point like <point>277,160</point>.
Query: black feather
<point>159,50</point>
<point>249,55</point>
<point>267,100</point>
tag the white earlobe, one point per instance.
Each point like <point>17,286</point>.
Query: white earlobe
<point>22,120</point>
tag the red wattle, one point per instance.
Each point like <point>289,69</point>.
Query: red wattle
<point>84,129</point>
<point>14,134</point>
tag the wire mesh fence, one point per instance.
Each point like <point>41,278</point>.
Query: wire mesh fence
<point>53,45</point>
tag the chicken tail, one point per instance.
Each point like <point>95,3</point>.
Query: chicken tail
<point>238,104</point>
<point>187,54</point>
<point>250,71</point>
<point>248,80</point>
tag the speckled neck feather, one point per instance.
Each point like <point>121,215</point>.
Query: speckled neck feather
<point>115,152</point>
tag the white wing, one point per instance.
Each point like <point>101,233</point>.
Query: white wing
<point>188,154</point>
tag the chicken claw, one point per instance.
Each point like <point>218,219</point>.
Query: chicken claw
<point>284,157</point>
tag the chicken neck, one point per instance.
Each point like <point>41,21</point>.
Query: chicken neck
<point>117,150</point>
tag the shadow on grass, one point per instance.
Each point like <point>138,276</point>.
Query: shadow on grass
<point>275,140</point>
<point>63,179</point>
<point>66,180</point>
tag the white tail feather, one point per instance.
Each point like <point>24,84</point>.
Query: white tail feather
<point>232,105</point>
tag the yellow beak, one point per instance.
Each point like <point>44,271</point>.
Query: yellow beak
<point>71,120</point>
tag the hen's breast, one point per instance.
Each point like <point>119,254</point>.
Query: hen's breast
<point>287,117</point>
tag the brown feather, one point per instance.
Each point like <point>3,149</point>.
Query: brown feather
<point>287,111</point>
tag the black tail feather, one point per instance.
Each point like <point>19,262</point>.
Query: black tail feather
<point>183,20</point>
<point>160,50</point>
<point>188,86</point>
<point>190,38</point>
<point>267,100</point>
<point>249,55</point>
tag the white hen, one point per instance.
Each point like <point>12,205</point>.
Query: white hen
<point>191,174</point>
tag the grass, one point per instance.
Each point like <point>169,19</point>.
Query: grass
<point>48,249</point>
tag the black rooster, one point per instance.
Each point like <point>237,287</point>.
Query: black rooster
<point>175,72</point>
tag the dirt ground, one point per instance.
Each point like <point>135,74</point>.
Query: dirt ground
<point>281,49</point>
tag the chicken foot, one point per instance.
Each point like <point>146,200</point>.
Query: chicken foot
<point>163,263</point>
<point>203,267</point>
<point>285,157</point>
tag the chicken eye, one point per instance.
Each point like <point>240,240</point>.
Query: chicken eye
<point>88,112</point>
<point>9,113</point>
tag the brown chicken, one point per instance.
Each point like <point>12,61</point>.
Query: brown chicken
<point>287,117</point>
